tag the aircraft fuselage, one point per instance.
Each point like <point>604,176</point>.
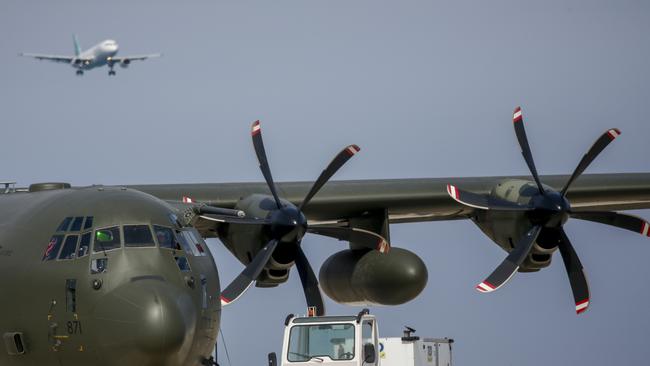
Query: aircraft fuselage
<point>104,276</point>
<point>96,56</point>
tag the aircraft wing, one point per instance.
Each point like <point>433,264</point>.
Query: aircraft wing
<point>55,58</point>
<point>128,59</point>
<point>412,200</point>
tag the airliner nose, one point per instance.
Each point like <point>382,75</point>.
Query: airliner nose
<point>155,317</point>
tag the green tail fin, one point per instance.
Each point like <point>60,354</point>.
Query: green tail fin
<point>77,48</point>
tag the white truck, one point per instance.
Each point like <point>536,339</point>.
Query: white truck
<point>354,341</point>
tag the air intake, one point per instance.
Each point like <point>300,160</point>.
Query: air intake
<point>14,343</point>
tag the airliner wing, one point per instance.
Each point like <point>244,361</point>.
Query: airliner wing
<point>128,59</point>
<point>55,58</point>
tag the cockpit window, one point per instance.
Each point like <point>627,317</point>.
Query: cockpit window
<point>69,247</point>
<point>89,222</point>
<point>53,247</point>
<point>64,224</point>
<point>84,245</point>
<point>107,239</point>
<point>76,223</point>
<point>165,237</point>
<point>138,236</point>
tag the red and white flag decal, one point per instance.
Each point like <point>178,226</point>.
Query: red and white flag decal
<point>581,306</point>
<point>187,199</point>
<point>256,128</point>
<point>485,286</point>
<point>613,133</point>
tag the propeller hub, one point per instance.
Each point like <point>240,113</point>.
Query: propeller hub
<point>551,209</point>
<point>288,224</point>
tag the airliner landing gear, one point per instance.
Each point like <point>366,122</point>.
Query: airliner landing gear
<point>80,72</point>
<point>111,72</point>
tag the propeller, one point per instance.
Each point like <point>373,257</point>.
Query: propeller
<point>547,212</point>
<point>287,226</point>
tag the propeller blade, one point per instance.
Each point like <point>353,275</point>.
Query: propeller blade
<point>336,163</point>
<point>211,210</point>
<point>623,221</point>
<point>309,283</point>
<point>236,220</point>
<point>483,202</point>
<point>520,131</point>
<point>258,144</point>
<point>366,238</point>
<point>593,152</point>
<point>511,264</point>
<point>245,279</point>
<point>574,270</point>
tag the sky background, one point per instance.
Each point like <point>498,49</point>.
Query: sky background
<point>426,88</point>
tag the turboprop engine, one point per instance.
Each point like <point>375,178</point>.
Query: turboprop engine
<point>367,277</point>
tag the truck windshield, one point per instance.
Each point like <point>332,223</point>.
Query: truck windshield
<point>335,341</point>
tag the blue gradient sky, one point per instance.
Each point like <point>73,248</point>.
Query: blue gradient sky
<point>425,88</point>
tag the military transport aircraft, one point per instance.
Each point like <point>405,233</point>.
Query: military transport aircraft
<point>98,55</point>
<point>109,275</point>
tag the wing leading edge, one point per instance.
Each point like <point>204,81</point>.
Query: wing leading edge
<point>414,200</point>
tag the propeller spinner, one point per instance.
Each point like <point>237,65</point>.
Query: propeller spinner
<point>547,211</point>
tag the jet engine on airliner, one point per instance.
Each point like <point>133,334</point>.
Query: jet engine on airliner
<point>125,63</point>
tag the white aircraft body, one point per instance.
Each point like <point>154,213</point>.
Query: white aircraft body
<point>98,55</point>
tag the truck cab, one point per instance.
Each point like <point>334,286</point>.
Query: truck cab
<point>353,340</point>
<point>330,340</point>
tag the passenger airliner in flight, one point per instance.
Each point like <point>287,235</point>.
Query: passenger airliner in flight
<point>98,55</point>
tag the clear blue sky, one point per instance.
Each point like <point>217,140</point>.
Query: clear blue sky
<point>425,88</point>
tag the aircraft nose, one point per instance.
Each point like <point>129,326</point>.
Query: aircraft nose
<point>152,315</point>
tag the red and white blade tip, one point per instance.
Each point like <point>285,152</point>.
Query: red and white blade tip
<point>453,192</point>
<point>613,133</point>
<point>485,286</point>
<point>187,199</point>
<point>383,246</point>
<point>517,115</point>
<point>224,301</point>
<point>645,229</point>
<point>352,149</point>
<point>581,306</point>
<point>255,129</point>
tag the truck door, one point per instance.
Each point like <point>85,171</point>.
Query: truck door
<point>369,336</point>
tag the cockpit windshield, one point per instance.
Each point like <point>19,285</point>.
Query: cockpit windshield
<point>335,341</point>
<point>75,235</point>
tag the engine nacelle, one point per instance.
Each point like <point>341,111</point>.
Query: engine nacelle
<point>125,63</point>
<point>245,241</point>
<point>505,228</point>
<point>357,277</point>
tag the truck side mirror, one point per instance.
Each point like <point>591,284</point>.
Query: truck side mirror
<point>369,353</point>
<point>273,359</point>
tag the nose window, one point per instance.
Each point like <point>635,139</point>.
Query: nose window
<point>53,248</point>
<point>69,247</point>
<point>76,224</point>
<point>165,237</point>
<point>107,239</point>
<point>138,236</point>
<point>84,245</point>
